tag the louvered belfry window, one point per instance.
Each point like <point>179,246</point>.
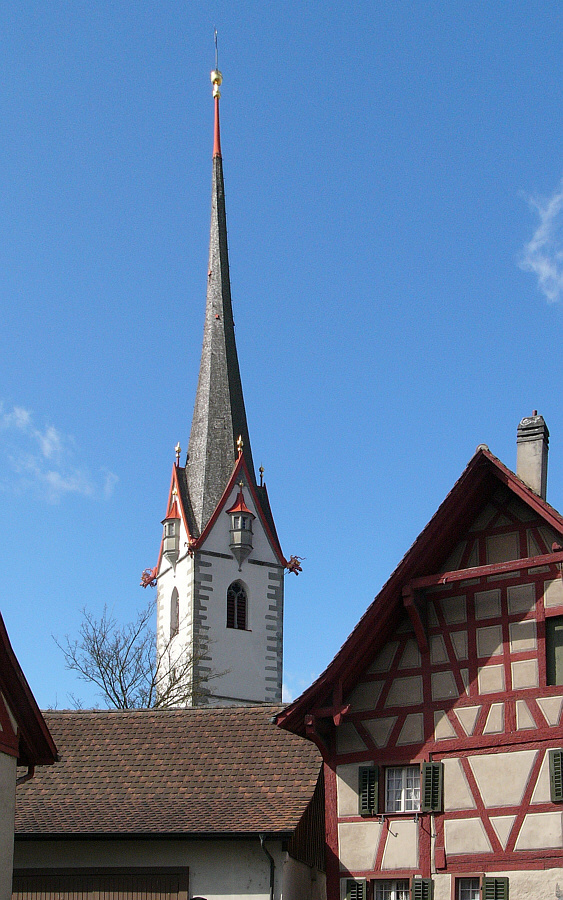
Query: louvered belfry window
<point>236,606</point>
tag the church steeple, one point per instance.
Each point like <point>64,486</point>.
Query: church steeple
<point>221,568</point>
<point>219,415</point>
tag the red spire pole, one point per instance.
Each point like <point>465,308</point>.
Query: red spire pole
<point>216,80</point>
<point>216,131</point>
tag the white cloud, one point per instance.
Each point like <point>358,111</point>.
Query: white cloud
<point>543,255</point>
<point>287,695</point>
<point>42,459</point>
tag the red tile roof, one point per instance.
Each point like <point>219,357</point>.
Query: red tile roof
<point>189,771</point>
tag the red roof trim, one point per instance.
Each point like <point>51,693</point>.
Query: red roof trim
<point>35,746</point>
<point>174,484</point>
<point>371,630</point>
<point>241,465</point>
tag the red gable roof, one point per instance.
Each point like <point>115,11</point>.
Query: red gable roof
<point>478,481</point>
<point>34,744</point>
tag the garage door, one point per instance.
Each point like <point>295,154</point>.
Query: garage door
<point>111,884</point>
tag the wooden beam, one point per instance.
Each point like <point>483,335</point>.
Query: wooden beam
<point>512,565</point>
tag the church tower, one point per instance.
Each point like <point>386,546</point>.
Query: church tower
<point>220,570</point>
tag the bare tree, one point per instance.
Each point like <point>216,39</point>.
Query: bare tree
<point>123,662</point>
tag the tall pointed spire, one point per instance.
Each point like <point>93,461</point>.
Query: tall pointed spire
<point>219,414</point>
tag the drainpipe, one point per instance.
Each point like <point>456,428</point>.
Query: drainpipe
<point>28,775</point>
<point>272,865</point>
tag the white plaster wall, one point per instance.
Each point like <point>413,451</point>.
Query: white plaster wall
<point>523,885</point>
<point>241,655</point>
<point>181,578</point>
<point>301,882</point>
<point>219,870</point>
<point>241,665</point>
<point>7,811</point>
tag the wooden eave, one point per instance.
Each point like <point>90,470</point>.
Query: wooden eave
<point>240,465</point>
<point>35,744</point>
<point>455,514</point>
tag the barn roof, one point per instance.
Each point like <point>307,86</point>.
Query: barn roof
<point>200,772</point>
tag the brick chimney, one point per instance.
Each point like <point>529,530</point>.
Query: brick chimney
<point>532,441</point>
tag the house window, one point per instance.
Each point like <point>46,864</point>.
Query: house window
<point>468,889</point>
<point>402,789</point>
<point>174,613</point>
<point>391,890</point>
<point>236,606</point>
<point>554,649</point>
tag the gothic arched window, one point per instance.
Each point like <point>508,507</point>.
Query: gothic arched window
<point>174,613</point>
<point>236,606</point>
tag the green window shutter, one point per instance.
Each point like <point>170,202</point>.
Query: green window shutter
<point>422,889</point>
<point>495,888</point>
<point>368,790</point>
<point>432,786</point>
<point>556,774</point>
<point>356,890</point>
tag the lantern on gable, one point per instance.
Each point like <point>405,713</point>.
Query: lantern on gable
<point>171,534</point>
<point>241,528</point>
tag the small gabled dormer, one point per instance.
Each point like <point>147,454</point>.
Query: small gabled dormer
<point>241,528</point>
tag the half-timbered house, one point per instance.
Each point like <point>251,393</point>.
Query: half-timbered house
<point>439,721</point>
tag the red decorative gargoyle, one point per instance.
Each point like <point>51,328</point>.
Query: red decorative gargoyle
<point>148,578</point>
<point>294,564</point>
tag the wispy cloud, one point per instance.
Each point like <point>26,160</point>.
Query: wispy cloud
<point>295,684</point>
<point>543,255</point>
<point>42,459</point>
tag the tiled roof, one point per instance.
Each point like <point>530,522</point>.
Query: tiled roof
<point>190,771</point>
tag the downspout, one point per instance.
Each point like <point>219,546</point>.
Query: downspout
<point>28,775</point>
<point>272,865</point>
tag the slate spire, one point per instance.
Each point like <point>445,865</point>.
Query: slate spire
<point>219,415</point>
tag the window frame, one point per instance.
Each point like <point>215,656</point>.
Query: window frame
<point>404,810</point>
<point>174,613</point>
<point>394,890</point>
<point>457,885</point>
<point>237,611</point>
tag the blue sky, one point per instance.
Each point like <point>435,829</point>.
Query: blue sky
<point>394,201</point>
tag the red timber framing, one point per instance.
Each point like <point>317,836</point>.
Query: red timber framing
<point>449,665</point>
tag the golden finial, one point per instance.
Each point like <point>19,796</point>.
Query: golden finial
<point>241,484</point>
<point>174,492</point>
<point>178,450</point>
<point>240,443</point>
<point>261,470</point>
<point>216,80</point>
<point>216,77</point>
